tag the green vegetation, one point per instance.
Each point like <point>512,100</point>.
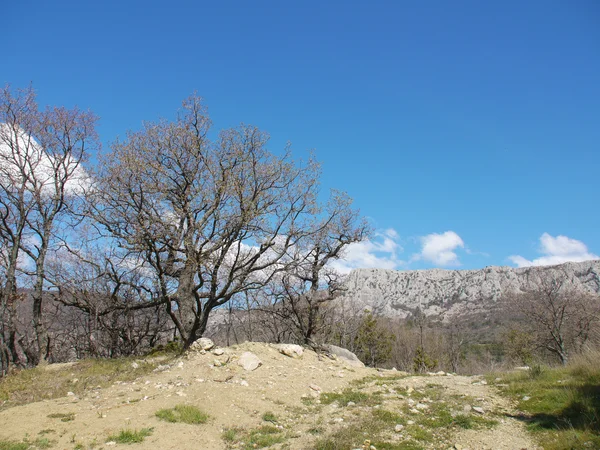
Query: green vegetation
<point>128,436</point>
<point>261,437</point>
<point>378,425</point>
<point>561,405</point>
<point>373,343</point>
<point>64,417</point>
<point>40,383</point>
<point>269,417</point>
<point>183,413</point>
<point>350,395</point>
<point>13,445</point>
<point>39,443</point>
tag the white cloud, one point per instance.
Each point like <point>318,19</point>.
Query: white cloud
<point>22,159</point>
<point>556,250</point>
<point>440,248</point>
<point>381,252</point>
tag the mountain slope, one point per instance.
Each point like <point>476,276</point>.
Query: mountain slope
<point>395,293</point>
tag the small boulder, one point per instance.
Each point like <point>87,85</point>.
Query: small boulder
<point>249,361</point>
<point>398,428</point>
<point>202,344</point>
<point>478,409</point>
<point>218,351</point>
<point>345,355</point>
<point>291,350</point>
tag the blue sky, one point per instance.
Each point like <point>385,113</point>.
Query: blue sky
<point>467,131</point>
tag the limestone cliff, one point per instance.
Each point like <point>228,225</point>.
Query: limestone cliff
<point>396,293</point>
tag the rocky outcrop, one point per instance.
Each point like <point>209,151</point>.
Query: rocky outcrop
<point>395,293</point>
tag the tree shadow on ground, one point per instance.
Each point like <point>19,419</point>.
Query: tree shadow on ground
<point>582,412</point>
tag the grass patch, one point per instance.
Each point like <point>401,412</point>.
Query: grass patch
<point>350,395</point>
<point>269,417</point>
<point>261,437</point>
<point>378,380</point>
<point>40,383</point>
<point>356,434</point>
<point>128,436</point>
<point>561,405</point>
<point>13,445</point>
<point>388,417</point>
<point>183,413</point>
<point>64,417</point>
<point>39,443</point>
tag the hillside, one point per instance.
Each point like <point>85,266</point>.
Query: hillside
<point>395,293</point>
<point>305,402</point>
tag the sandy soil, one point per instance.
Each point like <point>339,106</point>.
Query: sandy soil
<point>232,397</point>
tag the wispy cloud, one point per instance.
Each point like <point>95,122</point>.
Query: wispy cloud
<point>556,250</point>
<point>440,249</point>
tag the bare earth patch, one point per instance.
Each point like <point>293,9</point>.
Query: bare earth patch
<point>294,403</point>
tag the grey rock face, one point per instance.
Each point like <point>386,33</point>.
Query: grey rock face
<point>394,293</point>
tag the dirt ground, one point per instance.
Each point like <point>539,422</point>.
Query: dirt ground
<point>234,397</point>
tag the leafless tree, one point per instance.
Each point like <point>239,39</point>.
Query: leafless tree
<point>16,202</point>
<point>41,158</point>
<point>559,321</point>
<point>203,221</point>
<point>302,295</point>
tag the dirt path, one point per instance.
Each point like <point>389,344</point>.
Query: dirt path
<point>233,397</point>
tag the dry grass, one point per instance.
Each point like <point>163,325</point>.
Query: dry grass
<point>40,383</point>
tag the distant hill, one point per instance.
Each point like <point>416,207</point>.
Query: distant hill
<point>395,293</point>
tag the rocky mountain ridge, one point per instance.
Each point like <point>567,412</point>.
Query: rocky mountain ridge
<point>447,293</point>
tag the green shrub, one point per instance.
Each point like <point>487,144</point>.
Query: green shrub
<point>183,413</point>
<point>128,436</point>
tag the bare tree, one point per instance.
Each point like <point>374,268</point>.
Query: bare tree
<point>203,221</point>
<point>302,295</point>
<point>42,152</point>
<point>16,202</point>
<point>560,321</point>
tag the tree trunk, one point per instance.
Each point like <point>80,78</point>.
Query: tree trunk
<point>41,332</point>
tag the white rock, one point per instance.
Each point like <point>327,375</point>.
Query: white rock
<point>291,350</point>
<point>180,365</point>
<point>218,351</point>
<point>135,365</point>
<point>422,406</point>
<point>398,428</point>
<point>478,409</point>
<point>526,398</point>
<point>202,344</point>
<point>249,361</point>
<point>410,422</point>
<point>243,383</point>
